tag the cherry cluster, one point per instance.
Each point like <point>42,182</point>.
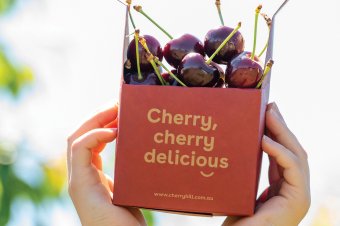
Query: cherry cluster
<point>187,55</point>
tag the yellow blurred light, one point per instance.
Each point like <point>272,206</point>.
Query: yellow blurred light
<point>323,218</point>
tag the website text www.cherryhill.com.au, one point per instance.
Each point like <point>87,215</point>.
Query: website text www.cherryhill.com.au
<point>183,196</point>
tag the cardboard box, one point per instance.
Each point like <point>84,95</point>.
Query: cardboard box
<point>192,150</point>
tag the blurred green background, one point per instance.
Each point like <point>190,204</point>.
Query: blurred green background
<point>40,183</point>
<point>48,182</point>
<point>49,81</point>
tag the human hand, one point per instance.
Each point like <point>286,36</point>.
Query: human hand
<point>90,189</point>
<point>287,199</point>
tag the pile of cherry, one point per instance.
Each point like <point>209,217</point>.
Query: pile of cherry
<point>187,53</point>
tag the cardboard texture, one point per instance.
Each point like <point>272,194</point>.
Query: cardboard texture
<point>192,150</point>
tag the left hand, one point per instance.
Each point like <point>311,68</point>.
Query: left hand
<point>90,189</point>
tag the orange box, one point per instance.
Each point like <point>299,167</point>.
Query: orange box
<point>192,150</point>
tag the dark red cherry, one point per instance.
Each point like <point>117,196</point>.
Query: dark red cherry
<point>176,49</point>
<point>149,78</point>
<point>131,76</point>
<point>127,70</point>
<point>220,83</point>
<point>219,68</point>
<point>169,79</point>
<point>215,37</point>
<point>243,72</point>
<point>193,71</point>
<point>154,47</point>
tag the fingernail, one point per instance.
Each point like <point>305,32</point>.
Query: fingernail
<point>277,115</point>
<point>269,106</point>
<point>113,129</point>
<point>266,138</point>
<point>276,108</point>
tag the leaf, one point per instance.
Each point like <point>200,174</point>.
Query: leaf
<point>55,176</point>
<point>5,200</point>
<point>149,217</point>
<point>13,77</point>
<point>6,5</point>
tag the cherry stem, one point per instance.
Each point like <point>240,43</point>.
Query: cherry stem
<point>266,71</point>
<point>150,58</point>
<point>170,73</point>
<point>139,9</point>
<point>264,48</point>
<point>269,24</point>
<point>224,43</point>
<point>130,34</point>
<point>218,6</point>
<point>131,19</point>
<point>122,2</point>
<point>155,68</point>
<point>257,12</point>
<point>140,77</point>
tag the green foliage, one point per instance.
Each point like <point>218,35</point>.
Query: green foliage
<point>5,201</point>
<point>12,77</point>
<point>13,187</point>
<point>6,5</point>
<point>149,217</point>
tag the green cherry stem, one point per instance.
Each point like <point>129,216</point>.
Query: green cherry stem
<point>150,58</point>
<point>257,12</point>
<point>139,9</point>
<point>224,43</point>
<point>130,34</point>
<point>264,49</point>
<point>125,4</point>
<point>136,36</point>
<point>128,5</point>
<point>269,24</point>
<point>140,77</point>
<point>266,71</point>
<point>218,6</point>
<point>131,19</point>
<point>167,70</point>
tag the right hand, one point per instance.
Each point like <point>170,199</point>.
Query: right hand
<point>287,199</point>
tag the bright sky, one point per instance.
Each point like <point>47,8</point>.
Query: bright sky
<point>75,49</point>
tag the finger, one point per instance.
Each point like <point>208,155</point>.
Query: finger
<point>280,132</point>
<point>99,149</point>
<point>97,161</point>
<point>275,188</point>
<point>113,124</point>
<point>110,182</point>
<point>274,107</point>
<point>231,220</point>
<point>268,193</point>
<point>81,149</point>
<point>275,172</point>
<point>104,180</point>
<point>100,120</point>
<point>138,215</point>
<point>286,159</point>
